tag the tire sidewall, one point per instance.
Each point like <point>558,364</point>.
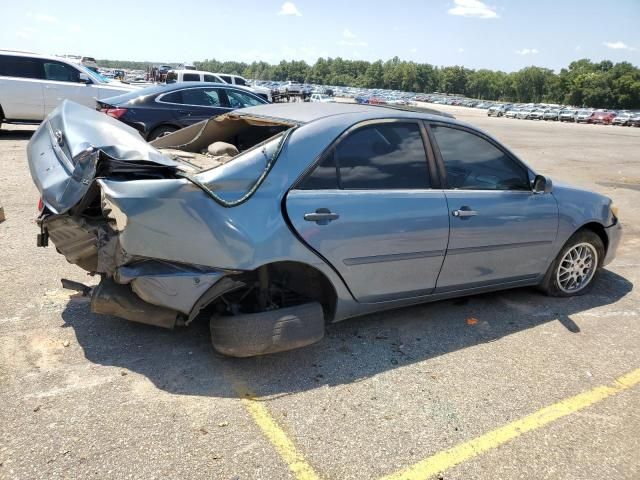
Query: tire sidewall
<point>550,281</point>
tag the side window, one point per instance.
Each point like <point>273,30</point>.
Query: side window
<point>472,163</point>
<point>240,81</point>
<point>383,156</point>
<point>226,78</point>
<point>173,97</point>
<point>387,156</point>
<point>22,67</point>
<point>239,99</point>
<point>60,72</point>
<point>210,78</point>
<point>324,176</point>
<point>191,77</point>
<point>205,97</point>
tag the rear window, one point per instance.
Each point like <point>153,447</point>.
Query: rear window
<point>21,67</point>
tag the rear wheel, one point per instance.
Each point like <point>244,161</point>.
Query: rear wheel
<point>575,267</point>
<point>161,132</point>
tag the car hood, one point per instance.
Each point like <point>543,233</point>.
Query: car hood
<point>70,145</point>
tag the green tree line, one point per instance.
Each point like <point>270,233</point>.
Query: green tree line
<point>583,83</point>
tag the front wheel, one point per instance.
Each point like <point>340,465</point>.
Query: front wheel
<point>575,267</point>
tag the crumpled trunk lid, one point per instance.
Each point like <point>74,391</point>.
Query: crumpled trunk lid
<point>74,144</point>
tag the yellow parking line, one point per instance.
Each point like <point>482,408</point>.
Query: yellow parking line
<point>460,453</point>
<point>278,438</point>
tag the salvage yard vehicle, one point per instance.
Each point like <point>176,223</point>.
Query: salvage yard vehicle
<point>551,114</point>
<point>307,214</point>
<point>624,119</point>
<point>163,109</point>
<point>583,116</point>
<point>32,85</point>
<point>567,115</point>
<point>603,118</point>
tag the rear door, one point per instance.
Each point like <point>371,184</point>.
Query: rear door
<point>21,88</point>
<point>368,207</point>
<point>192,105</point>
<point>500,230</point>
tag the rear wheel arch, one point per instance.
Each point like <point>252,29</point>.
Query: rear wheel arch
<point>282,278</point>
<point>306,280</point>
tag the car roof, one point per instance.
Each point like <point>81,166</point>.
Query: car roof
<point>303,112</point>
<point>184,70</point>
<point>36,55</point>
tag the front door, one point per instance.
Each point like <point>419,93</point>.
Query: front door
<point>500,230</point>
<point>367,208</point>
<point>62,82</point>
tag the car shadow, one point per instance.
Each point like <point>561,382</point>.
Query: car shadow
<point>183,362</point>
<point>15,134</point>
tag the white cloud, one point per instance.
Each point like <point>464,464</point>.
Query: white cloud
<point>43,17</point>
<point>350,39</point>
<point>472,8</point>
<point>348,33</point>
<point>75,29</point>
<point>353,43</point>
<point>618,46</point>
<point>289,8</point>
<point>461,50</point>
<point>23,34</point>
<point>414,50</point>
<point>527,51</point>
<point>578,48</point>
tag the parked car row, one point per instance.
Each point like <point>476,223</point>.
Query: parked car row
<point>558,114</point>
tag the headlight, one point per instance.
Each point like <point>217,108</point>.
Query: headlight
<point>614,210</point>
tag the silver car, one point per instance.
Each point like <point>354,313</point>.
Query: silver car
<point>271,221</point>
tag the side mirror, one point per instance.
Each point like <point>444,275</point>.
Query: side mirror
<point>84,78</point>
<point>542,184</point>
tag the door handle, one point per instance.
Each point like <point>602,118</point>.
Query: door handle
<point>322,216</point>
<point>464,212</point>
<point>184,112</point>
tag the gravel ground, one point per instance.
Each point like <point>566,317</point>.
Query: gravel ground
<point>88,396</point>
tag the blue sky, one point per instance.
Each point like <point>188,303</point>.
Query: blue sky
<point>496,34</point>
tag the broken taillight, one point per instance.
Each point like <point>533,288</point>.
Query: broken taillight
<point>40,205</point>
<point>114,112</point>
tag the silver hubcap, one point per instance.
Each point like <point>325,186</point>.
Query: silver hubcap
<point>577,267</point>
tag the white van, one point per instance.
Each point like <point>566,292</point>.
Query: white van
<point>186,75</point>
<point>32,85</point>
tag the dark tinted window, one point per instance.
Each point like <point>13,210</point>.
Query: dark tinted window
<point>239,99</point>
<point>205,97</point>
<point>22,67</point>
<point>240,81</point>
<point>472,163</point>
<point>173,97</point>
<point>383,156</point>
<point>226,78</point>
<point>210,78</point>
<point>60,72</point>
<point>324,176</point>
<point>191,77</point>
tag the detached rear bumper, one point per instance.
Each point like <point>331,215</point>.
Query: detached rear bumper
<point>614,234</point>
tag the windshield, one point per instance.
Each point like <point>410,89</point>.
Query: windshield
<point>94,75</point>
<point>236,177</point>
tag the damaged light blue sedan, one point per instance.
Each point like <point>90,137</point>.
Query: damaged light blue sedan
<point>273,220</point>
